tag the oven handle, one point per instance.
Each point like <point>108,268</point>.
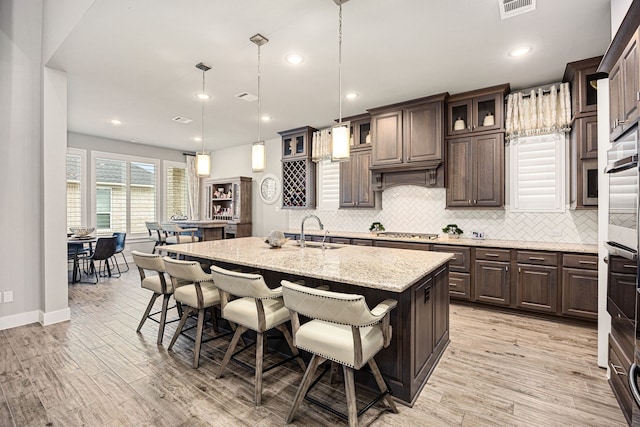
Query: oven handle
<point>622,164</point>
<point>633,385</point>
<point>617,249</point>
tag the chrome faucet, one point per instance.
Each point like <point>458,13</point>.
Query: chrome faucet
<point>302,227</point>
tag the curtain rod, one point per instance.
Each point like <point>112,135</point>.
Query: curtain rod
<point>544,92</point>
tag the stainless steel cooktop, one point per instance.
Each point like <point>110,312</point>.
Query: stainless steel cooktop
<point>405,235</point>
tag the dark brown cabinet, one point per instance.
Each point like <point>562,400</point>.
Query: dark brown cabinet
<point>459,270</point>
<point>623,90</point>
<point>230,200</point>
<point>475,171</point>
<point>492,276</point>
<point>387,137</point>
<point>360,131</point>
<point>583,77</point>
<point>298,171</point>
<point>477,111</point>
<point>356,190</point>
<point>537,283</point>
<point>580,286</point>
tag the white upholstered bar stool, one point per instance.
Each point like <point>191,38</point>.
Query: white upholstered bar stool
<point>342,329</point>
<point>198,296</point>
<point>176,234</point>
<point>158,283</point>
<point>256,308</point>
<point>156,234</point>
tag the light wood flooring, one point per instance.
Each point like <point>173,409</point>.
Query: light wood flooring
<point>500,369</point>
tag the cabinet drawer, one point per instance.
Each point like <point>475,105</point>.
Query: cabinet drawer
<point>462,257</point>
<point>619,365</point>
<point>587,262</point>
<point>621,265</point>
<point>231,228</point>
<point>493,254</point>
<point>362,242</point>
<point>459,285</point>
<point>403,245</point>
<point>538,258</point>
<point>340,240</point>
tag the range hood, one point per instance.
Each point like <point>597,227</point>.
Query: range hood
<point>426,174</point>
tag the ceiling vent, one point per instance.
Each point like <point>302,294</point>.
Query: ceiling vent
<point>182,120</point>
<point>246,96</point>
<point>510,8</point>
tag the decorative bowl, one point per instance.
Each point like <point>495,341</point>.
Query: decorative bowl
<point>82,231</point>
<point>276,239</point>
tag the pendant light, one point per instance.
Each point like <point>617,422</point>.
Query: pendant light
<point>203,160</point>
<point>258,153</point>
<point>340,149</point>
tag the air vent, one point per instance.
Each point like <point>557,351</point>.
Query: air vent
<point>182,120</point>
<point>246,96</point>
<point>510,8</point>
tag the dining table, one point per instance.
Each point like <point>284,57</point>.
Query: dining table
<point>77,245</point>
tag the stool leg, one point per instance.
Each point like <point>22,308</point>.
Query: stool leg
<point>163,317</point>
<point>147,311</point>
<point>183,320</point>
<point>304,385</point>
<point>196,350</point>
<point>382,385</point>
<point>282,328</point>
<point>259,359</point>
<point>232,346</point>
<point>350,390</point>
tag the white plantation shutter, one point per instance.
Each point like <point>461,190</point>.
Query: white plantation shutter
<point>538,173</point>
<point>176,190</point>
<point>75,188</point>
<point>328,185</point>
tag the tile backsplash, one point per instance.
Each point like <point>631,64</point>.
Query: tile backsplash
<point>422,210</point>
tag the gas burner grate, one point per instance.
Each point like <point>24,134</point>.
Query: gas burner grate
<point>404,235</point>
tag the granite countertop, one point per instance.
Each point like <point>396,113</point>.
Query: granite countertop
<point>444,240</point>
<point>393,270</point>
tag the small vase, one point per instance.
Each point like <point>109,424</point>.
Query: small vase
<point>454,236</point>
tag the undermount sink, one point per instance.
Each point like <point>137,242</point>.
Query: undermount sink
<point>317,245</point>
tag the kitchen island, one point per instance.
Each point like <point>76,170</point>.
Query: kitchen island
<point>417,280</point>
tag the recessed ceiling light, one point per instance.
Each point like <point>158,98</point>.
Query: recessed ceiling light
<point>203,96</point>
<point>294,58</point>
<point>197,138</point>
<point>135,139</point>
<point>519,51</point>
<point>351,95</point>
<point>266,118</point>
<point>116,122</point>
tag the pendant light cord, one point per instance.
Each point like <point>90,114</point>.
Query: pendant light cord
<point>259,100</point>
<point>340,63</point>
<point>203,99</point>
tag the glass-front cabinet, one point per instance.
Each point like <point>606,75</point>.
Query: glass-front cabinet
<point>478,111</point>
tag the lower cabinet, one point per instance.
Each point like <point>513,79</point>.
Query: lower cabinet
<point>460,285</point>
<point>619,364</point>
<point>459,270</point>
<point>580,286</point>
<point>492,276</point>
<point>537,284</point>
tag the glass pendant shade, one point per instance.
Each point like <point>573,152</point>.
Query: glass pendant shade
<point>258,157</point>
<point>203,164</point>
<point>340,149</point>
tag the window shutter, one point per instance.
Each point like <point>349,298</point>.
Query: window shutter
<point>328,185</point>
<point>176,188</point>
<point>74,190</point>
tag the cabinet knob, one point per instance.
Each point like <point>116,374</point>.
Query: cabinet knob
<point>469,127</point>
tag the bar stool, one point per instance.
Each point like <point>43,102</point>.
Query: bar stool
<point>257,308</point>
<point>156,234</point>
<point>177,235</point>
<point>200,295</point>
<point>157,283</point>
<point>342,329</point>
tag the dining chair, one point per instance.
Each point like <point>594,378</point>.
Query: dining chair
<point>120,242</point>
<point>159,284</point>
<point>176,234</point>
<point>343,330</point>
<point>156,234</point>
<point>254,307</point>
<point>198,296</point>
<point>104,250</point>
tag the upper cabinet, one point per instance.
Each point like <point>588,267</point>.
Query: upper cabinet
<point>360,135</point>
<point>298,171</point>
<point>583,80</point>
<point>477,111</point>
<point>624,98</point>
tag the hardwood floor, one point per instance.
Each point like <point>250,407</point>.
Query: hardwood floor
<point>500,369</point>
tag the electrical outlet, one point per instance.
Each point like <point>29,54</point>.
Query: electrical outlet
<point>8,296</point>
<point>555,233</point>
<point>477,234</point>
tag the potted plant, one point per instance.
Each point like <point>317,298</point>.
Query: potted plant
<point>452,230</point>
<point>376,227</point>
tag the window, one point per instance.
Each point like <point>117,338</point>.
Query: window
<point>76,160</point>
<point>538,173</point>
<point>125,193</point>
<point>328,185</point>
<point>176,198</point>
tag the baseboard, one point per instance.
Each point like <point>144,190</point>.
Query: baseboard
<point>55,316</point>
<point>13,321</point>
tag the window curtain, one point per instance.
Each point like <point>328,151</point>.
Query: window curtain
<point>193,189</point>
<point>321,145</point>
<point>539,112</point>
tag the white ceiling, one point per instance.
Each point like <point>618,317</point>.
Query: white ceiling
<point>135,60</point>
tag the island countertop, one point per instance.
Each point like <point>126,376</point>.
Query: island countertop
<point>393,270</point>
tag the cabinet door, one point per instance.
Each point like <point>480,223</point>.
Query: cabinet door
<point>537,288</point>
<point>488,177</point>
<point>580,293</point>
<point>459,285</point>
<point>387,136</point>
<point>459,179</point>
<point>630,83</point>
<point>615,99</point>
<point>441,306</point>
<point>362,180</point>
<point>423,333</point>
<point>587,129</point>
<point>347,184</point>
<point>487,113</point>
<point>492,284</point>
<point>423,132</point>
<point>459,117</point>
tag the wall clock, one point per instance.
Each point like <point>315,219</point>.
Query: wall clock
<point>269,189</point>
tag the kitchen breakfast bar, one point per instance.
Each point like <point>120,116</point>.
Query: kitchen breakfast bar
<point>418,280</point>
